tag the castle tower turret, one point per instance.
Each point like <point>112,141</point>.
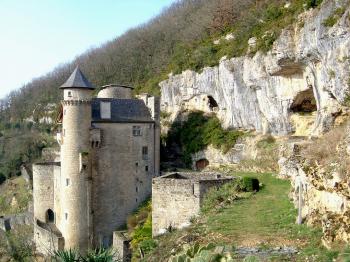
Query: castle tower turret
<point>74,220</point>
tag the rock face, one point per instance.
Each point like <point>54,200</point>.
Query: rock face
<point>307,70</point>
<point>324,194</point>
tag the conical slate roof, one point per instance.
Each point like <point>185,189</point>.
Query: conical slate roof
<point>77,80</point>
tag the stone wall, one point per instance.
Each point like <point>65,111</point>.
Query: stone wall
<point>176,198</point>
<point>43,189</point>
<point>121,244</point>
<point>122,175</point>
<point>46,239</point>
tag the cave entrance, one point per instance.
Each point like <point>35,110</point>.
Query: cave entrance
<point>212,103</point>
<point>303,112</point>
<point>50,216</point>
<point>201,164</point>
<point>304,102</point>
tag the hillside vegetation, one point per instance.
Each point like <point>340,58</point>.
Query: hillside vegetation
<point>181,37</point>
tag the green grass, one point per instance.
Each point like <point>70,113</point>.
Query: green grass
<point>265,219</point>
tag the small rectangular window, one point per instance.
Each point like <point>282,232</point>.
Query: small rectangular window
<point>66,216</point>
<point>144,152</point>
<point>136,131</point>
<point>146,168</point>
<point>67,181</point>
<point>69,94</point>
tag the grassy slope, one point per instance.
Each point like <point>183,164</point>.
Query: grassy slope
<point>266,219</point>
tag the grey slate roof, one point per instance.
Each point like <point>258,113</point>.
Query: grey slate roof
<point>122,110</point>
<point>77,80</point>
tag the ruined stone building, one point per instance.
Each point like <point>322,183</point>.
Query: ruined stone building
<point>177,198</point>
<point>109,153</point>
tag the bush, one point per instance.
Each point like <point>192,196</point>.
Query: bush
<point>250,184</point>
<point>198,132</point>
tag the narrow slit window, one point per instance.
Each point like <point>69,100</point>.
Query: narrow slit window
<point>66,216</point>
<point>146,168</point>
<point>144,152</point>
<point>67,181</point>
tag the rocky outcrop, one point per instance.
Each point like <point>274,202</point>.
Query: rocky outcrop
<point>262,92</point>
<point>320,193</point>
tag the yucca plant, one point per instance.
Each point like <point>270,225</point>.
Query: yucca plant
<point>70,255</point>
<point>100,255</point>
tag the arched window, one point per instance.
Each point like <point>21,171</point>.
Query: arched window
<point>50,216</point>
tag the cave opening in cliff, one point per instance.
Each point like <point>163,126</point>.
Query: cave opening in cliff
<point>303,113</point>
<point>304,102</point>
<point>212,103</point>
<point>201,164</point>
<point>50,216</point>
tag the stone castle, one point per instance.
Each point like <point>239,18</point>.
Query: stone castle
<point>109,153</point>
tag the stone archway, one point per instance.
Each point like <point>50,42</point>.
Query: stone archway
<point>201,164</point>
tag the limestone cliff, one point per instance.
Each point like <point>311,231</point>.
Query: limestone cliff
<point>319,175</point>
<point>307,70</point>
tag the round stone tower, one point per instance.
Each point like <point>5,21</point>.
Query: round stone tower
<point>75,217</point>
<point>115,91</point>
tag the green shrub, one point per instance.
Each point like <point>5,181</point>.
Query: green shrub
<point>226,194</point>
<point>333,19</point>
<point>198,132</point>
<point>250,184</point>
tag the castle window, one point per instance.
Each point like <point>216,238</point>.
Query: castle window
<point>144,152</point>
<point>66,216</point>
<point>146,168</point>
<point>105,108</point>
<point>136,131</point>
<point>137,189</point>
<point>67,181</point>
<point>69,94</point>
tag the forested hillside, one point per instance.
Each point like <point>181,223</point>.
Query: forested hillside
<point>181,37</point>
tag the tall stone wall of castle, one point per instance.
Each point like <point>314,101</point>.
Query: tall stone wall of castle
<point>43,189</point>
<point>75,223</point>
<point>122,175</point>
